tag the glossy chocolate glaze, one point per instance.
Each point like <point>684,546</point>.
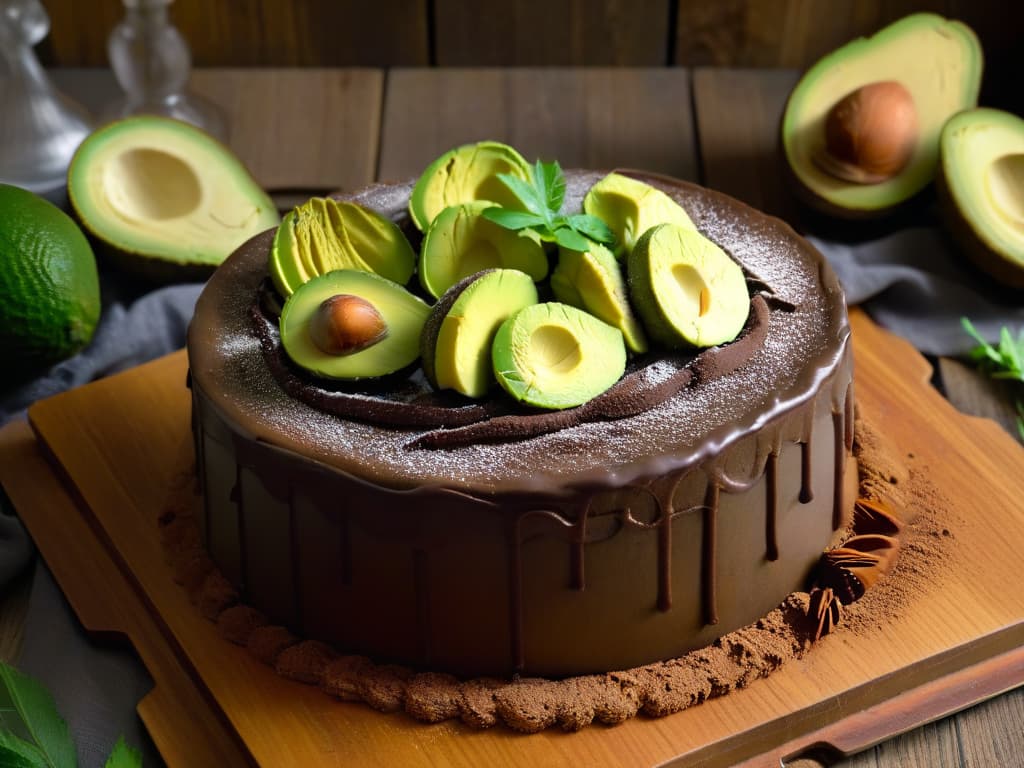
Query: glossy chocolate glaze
<point>600,546</point>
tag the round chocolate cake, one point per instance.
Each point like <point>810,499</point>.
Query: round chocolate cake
<point>488,539</point>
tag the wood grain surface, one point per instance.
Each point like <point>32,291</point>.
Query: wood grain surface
<point>595,118</point>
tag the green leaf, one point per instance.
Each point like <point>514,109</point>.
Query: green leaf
<point>512,219</point>
<point>571,239</point>
<point>525,193</point>
<point>592,227</point>
<point>124,756</point>
<point>18,753</point>
<point>22,696</point>
<point>550,184</point>
<point>1008,350</point>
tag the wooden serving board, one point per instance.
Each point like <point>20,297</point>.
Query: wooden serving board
<point>114,442</point>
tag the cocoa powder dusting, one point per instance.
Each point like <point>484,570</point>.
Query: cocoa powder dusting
<point>732,662</point>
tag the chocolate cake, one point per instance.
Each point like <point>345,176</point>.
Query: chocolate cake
<point>487,539</point>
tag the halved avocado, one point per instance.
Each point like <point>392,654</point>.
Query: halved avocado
<point>555,356</point>
<point>937,61</point>
<point>593,282</point>
<point>380,351</point>
<point>631,207</point>
<point>462,242</point>
<point>166,200</point>
<point>323,234</point>
<point>686,289</point>
<point>457,338</point>
<point>464,174</point>
<point>981,185</point>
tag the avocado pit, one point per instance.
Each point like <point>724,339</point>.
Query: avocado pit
<point>344,324</point>
<point>870,134</point>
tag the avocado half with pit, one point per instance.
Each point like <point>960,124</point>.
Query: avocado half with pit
<point>165,200</point>
<point>981,187</point>
<point>555,356</point>
<point>464,174</point>
<point>860,131</point>
<point>351,324</point>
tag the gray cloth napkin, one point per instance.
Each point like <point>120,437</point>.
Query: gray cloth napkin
<point>917,284</point>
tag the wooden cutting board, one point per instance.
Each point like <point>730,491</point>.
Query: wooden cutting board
<point>114,443</point>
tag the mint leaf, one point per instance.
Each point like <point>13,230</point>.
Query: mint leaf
<point>592,227</point>
<point>550,184</point>
<point>525,193</point>
<point>512,219</point>
<point>571,239</point>
<point>124,756</point>
<point>29,705</point>
<point>17,753</point>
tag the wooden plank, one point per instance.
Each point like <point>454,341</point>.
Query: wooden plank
<point>596,118</point>
<point>738,116</point>
<point>993,733</point>
<point>106,603</point>
<point>552,33</point>
<point>308,129</point>
<point>256,33</point>
<point>978,395</point>
<point>117,437</point>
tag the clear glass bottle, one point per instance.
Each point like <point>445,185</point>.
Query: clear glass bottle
<point>40,128</point>
<point>151,61</point>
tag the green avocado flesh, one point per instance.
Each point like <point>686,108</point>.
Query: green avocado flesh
<point>593,282</point>
<point>685,288</point>
<point>458,335</point>
<point>323,235</point>
<point>938,61</point>
<point>630,208</point>
<point>555,356</point>
<point>403,313</point>
<point>464,174</point>
<point>155,189</point>
<point>982,171</point>
<point>461,242</point>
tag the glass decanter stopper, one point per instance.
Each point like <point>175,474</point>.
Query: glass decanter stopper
<point>40,128</point>
<point>151,61</point>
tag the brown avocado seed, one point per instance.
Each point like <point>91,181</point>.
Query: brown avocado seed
<point>345,324</point>
<point>870,134</point>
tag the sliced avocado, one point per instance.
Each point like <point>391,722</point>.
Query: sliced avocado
<point>685,288</point>
<point>456,343</point>
<point>593,282</point>
<point>555,356</point>
<point>464,174</point>
<point>365,348</point>
<point>462,242</point>
<point>631,207</point>
<point>323,234</point>
<point>165,199</point>
<point>981,185</point>
<point>938,62</point>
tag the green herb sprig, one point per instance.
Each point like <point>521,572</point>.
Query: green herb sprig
<point>1005,362</point>
<point>32,732</point>
<point>542,197</point>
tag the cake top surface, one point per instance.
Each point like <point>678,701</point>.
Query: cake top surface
<point>803,346</point>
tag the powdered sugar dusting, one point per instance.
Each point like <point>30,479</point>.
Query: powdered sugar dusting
<point>227,363</point>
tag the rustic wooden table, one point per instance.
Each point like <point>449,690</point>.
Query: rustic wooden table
<point>311,131</point>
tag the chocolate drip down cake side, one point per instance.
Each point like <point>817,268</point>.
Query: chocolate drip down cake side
<point>493,537</point>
